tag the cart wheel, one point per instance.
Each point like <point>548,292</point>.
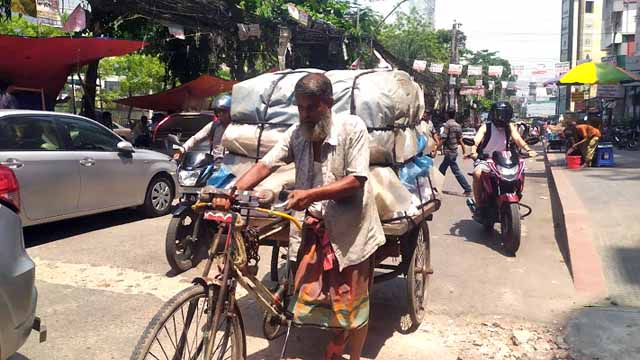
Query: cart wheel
<point>418,274</point>
<point>271,327</point>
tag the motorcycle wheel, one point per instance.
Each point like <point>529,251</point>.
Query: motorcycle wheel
<point>510,228</point>
<point>179,249</point>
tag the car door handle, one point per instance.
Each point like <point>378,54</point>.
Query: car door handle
<point>87,162</point>
<point>12,163</point>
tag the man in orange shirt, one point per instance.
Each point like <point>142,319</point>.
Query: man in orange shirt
<point>588,137</point>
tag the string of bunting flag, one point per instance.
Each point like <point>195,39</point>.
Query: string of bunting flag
<point>456,69</point>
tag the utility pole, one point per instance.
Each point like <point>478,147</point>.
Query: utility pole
<point>453,59</point>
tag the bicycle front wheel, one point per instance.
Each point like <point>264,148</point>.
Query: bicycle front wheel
<point>177,330</point>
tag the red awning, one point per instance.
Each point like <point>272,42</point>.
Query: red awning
<point>189,96</point>
<point>45,63</point>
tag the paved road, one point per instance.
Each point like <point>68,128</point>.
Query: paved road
<point>102,278</point>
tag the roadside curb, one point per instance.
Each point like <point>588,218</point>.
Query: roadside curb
<point>585,262</point>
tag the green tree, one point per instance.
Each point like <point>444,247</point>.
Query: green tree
<point>19,26</point>
<point>410,37</point>
<point>137,74</point>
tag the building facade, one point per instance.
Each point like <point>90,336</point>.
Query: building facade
<point>580,41</point>
<point>619,41</point>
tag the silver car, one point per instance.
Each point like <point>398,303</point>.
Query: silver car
<point>18,295</point>
<point>70,166</point>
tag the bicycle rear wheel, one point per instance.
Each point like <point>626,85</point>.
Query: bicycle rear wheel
<point>176,331</point>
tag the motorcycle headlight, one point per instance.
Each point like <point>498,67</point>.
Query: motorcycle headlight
<point>189,177</point>
<point>509,171</point>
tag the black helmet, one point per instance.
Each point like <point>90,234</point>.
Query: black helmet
<point>501,113</point>
<point>222,102</point>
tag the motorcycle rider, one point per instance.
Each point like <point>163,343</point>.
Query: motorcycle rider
<point>496,135</point>
<point>214,130</point>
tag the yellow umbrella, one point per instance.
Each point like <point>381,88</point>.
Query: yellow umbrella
<point>597,73</point>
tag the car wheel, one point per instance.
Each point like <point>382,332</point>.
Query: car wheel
<point>159,197</point>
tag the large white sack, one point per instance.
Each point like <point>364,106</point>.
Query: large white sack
<point>243,140</point>
<point>381,98</point>
<point>250,97</point>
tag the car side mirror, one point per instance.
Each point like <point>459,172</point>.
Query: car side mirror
<point>532,140</point>
<point>125,147</point>
<point>468,142</point>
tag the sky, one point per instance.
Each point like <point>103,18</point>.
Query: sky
<point>525,32</point>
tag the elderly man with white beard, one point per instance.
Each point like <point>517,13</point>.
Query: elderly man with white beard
<point>342,230</point>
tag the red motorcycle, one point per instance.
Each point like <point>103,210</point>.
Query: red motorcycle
<point>501,194</point>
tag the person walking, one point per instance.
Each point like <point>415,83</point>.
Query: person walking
<point>451,140</point>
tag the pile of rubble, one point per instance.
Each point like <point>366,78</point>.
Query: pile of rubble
<point>500,339</point>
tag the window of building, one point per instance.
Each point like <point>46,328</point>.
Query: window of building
<point>588,7</point>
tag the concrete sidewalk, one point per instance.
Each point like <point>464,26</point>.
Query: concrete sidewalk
<point>601,205</point>
<point>599,209</point>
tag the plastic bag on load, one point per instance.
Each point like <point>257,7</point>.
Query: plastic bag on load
<point>421,193</point>
<point>390,195</point>
<point>406,145</point>
<point>221,178</point>
<point>418,167</point>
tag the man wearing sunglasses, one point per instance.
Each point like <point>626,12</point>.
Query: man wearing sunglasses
<point>215,129</point>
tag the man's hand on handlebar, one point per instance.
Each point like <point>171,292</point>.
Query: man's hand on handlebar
<point>299,200</point>
<point>532,153</point>
<point>178,154</point>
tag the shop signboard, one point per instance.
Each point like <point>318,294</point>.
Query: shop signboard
<point>610,91</point>
<point>577,96</point>
<point>48,12</point>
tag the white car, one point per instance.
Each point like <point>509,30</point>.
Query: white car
<point>70,166</point>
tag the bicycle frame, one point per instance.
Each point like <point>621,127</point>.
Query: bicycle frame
<point>232,273</point>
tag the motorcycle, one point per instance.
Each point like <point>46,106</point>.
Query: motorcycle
<point>626,139</point>
<point>501,193</point>
<point>182,249</point>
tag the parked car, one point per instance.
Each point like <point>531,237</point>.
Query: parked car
<point>70,166</point>
<point>123,132</point>
<point>183,125</point>
<point>18,294</point>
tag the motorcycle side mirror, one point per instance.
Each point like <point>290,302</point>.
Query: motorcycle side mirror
<point>468,141</point>
<point>532,141</point>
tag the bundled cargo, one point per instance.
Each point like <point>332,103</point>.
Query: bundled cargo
<point>389,102</point>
